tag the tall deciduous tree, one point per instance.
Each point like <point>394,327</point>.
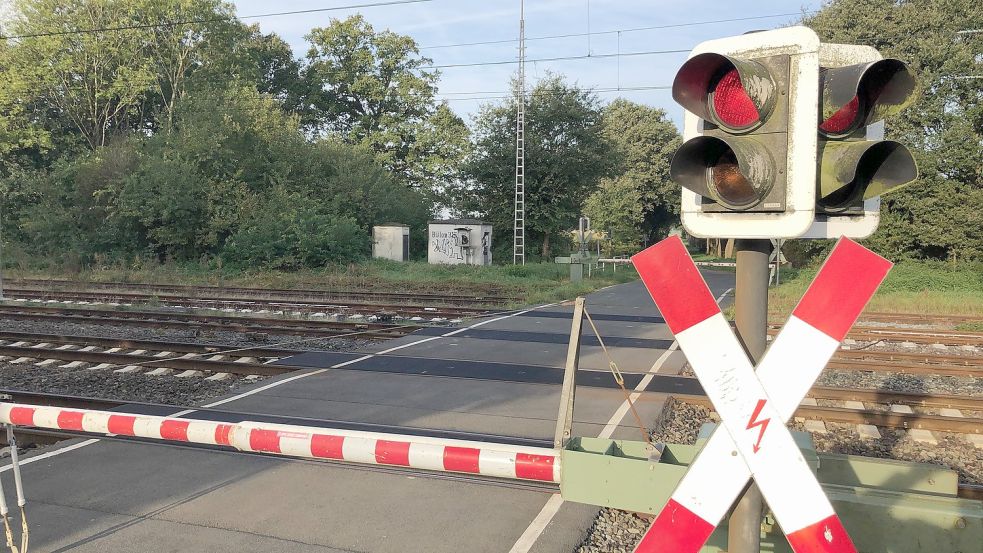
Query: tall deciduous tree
<point>641,203</point>
<point>373,88</point>
<point>566,157</point>
<point>940,215</point>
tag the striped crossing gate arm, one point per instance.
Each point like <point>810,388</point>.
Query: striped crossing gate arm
<point>766,450</point>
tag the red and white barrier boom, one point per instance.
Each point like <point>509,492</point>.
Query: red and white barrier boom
<point>754,406</point>
<point>419,452</point>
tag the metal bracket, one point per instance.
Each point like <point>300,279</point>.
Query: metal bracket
<point>564,419</point>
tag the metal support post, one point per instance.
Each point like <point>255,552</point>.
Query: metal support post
<point>564,419</point>
<point>751,318</point>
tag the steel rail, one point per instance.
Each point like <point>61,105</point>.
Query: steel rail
<point>126,359</point>
<point>875,365</point>
<point>927,336</point>
<point>911,357</point>
<point>158,319</point>
<point>128,343</point>
<point>244,293</point>
<point>361,308</point>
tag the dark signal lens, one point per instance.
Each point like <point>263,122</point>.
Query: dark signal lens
<point>731,103</point>
<point>729,183</point>
<point>843,120</point>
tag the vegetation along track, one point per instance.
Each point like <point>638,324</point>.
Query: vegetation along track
<point>252,323</point>
<point>356,301</point>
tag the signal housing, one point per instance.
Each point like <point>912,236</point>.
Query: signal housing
<point>748,165</point>
<point>858,90</point>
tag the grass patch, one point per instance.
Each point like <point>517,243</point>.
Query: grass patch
<point>931,288</point>
<point>530,283</point>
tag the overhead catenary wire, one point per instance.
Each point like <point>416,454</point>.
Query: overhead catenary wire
<point>614,31</point>
<point>559,58</point>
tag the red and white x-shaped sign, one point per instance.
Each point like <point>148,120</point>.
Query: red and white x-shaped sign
<point>755,406</point>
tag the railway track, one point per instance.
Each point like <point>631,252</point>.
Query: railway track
<point>66,356</point>
<point>915,363</point>
<point>915,336</point>
<point>915,318</point>
<point>241,323</point>
<point>196,365</point>
<point>355,300</point>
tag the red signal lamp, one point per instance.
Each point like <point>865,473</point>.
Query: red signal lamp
<point>857,95</point>
<point>732,93</point>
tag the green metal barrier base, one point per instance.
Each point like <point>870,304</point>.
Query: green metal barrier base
<point>887,506</point>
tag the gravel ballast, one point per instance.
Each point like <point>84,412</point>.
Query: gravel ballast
<point>617,531</point>
<point>105,384</point>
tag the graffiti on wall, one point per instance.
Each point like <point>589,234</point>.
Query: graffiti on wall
<point>447,243</point>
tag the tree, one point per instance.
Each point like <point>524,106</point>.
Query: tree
<point>566,157</point>
<point>372,88</point>
<point>940,215</point>
<point>641,203</point>
<point>98,81</point>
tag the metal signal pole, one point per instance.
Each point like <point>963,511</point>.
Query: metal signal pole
<point>751,320</point>
<point>519,229</point>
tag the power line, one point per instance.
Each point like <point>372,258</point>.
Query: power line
<point>559,58</point>
<point>616,31</point>
<point>209,20</point>
<point>501,95</point>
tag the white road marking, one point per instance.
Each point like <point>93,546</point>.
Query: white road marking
<point>538,524</point>
<point>89,442</point>
<point>545,516</point>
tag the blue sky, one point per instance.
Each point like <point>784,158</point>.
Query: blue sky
<point>443,22</point>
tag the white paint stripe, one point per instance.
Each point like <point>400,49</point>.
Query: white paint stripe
<point>79,445</point>
<point>535,529</point>
<point>51,454</point>
<point>538,524</point>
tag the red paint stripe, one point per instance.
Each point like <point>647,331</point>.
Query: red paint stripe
<point>22,416</point>
<point>222,432</point>
<point>327,447</point>
<point>841,289</point>
<point>121,425</point>
<point>825,536</point>
<point>461,459</point>
<point>675,284</point>
<point>176,430</point>
<point>534,467</point>
<point>264,440</point>
<point>392,453</point>
<point>676,529</point>
<point>70,420</point>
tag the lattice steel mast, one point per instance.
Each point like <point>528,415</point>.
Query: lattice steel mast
<point>519,229</point>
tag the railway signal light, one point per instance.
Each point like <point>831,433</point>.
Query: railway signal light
<point>748,165</point>
<point>857,91</point>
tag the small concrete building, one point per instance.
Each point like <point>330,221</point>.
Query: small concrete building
<point>391,241</point>
<point>459,242</point>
